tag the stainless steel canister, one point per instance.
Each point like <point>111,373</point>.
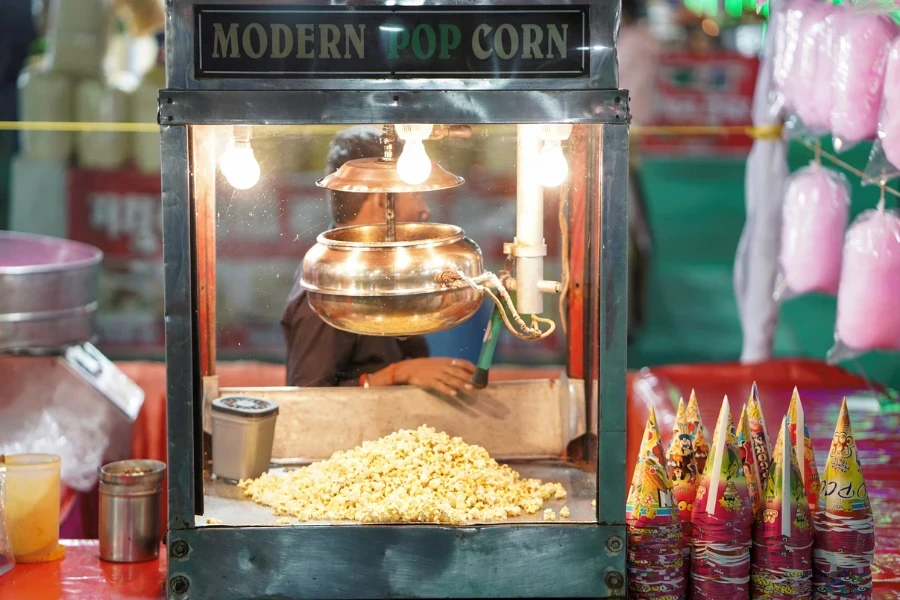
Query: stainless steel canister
<point>242,435</point>
<point>130,505</point>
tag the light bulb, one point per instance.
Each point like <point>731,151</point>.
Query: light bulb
<point>414,166</point>
<point>239,166</point>
<point>552,166</point>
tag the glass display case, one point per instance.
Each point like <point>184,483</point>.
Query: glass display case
<point>455,169</point>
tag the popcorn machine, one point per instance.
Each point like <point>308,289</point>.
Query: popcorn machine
<point>468,98</point>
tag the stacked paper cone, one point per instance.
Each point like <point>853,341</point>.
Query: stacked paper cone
<point>845,529</point>
<point>796,421</point>
<point>682,470</point>
<point>651,442</point>
<point>722,520</point>
<point>698,432</point>
<point>654,533</point>
<point>783,536</point>
<point>751,467</point>
<point>762,449</point>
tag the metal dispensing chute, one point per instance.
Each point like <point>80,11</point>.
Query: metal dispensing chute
<point>539,81</point>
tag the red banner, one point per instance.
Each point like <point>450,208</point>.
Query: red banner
<point>708,89</point>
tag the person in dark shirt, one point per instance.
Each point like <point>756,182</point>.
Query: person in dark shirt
<point>319,355</point>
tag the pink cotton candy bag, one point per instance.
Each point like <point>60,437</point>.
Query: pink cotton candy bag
<point>861,58</point>
<point>814,101</point>
<point>815,214</point>
<point>867,307</point>
<point>788,53</point>
<point>889,125</point>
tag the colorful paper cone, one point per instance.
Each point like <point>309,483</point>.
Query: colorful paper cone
<point>722,519</point>
<point>682,470</point>
<point>650,442</point>
<point>845,528</point>
<point>786,514</point>
<point>655,545</point>
<point>762,449</point>
<point>698,432</point>
<point>748,459</point>
<point>681,466</point>
<point>796,420</point>
<point>692,413</point>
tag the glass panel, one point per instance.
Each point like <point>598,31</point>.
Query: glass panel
<point>384,329</point>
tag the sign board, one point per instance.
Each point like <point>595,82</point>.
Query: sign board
<point>302,42</point>
<point>702,89</point>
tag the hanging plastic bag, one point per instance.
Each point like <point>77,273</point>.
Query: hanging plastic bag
<point>879,169</point>
<point>889,123</point>
<point>815,214</point>
<point>863,45</point>
<point>7,560</point>
<point>799,86</point>
<point>816,62</point>
<point>867,315</point>
<point>785,26</point>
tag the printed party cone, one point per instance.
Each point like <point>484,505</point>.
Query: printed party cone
<point>784,514</point>
<point>650,442</point>
<point>730,431</point>
<point>692,413</point>
<point>697,431</point>
<point>843,487</point>
<point>682,470</point>
<point>651,501</point>
<point>762,449</point>
<point>783,536</point>
<point>751,467</point>
<point>701,450</point>
<point>654,552</point>
<point>796,420</point>
<point>845,529</point>
<point>723,488</point>
<point>722,518</point>
<point>681,466</point>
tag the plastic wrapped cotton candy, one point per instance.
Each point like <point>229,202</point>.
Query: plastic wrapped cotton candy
<point>814,219</point>
<point>787,53</point>
<point>858,78</point>
<point>816,57</point>
<point>889,124</point>
<point>809,38</point>
<point>867,315</point>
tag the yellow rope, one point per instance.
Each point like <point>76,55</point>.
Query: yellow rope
<point>767,132</point>
<point>83,126</point>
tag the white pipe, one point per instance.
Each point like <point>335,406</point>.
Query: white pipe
<point>529,247</point>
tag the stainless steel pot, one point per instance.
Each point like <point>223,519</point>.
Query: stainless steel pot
<point>360,283</point>
<point>48,292</point>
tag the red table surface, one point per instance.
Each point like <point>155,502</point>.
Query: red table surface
<point>82,576</point>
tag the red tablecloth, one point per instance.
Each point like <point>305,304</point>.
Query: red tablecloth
<point>82,576</point>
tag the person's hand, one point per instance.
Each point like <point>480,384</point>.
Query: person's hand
<point>445,375</point>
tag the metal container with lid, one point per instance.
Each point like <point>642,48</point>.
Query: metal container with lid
<point>48,292</point>
<point>131,510</point>
<point>243,430</point>
<point>358,282</point>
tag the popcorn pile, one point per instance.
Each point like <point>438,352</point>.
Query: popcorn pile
<point>411,476</point>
